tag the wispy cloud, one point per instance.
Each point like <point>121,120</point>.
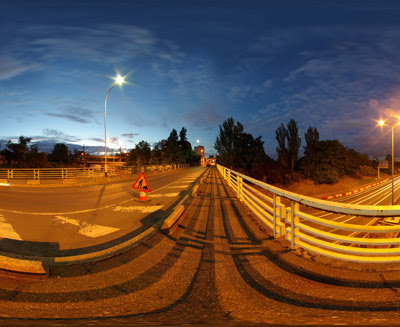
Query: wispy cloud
<point>112,43</point>
<point>74,114</point>
<point>11,67</point>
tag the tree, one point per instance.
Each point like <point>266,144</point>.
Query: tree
<point>312,139</point>
<point>19,150</point>
<point>309,162</point>
<point>331,156</point>
<point>60,153</point>
<point>237,149</point>
<point>282,151</point>
<point>294,142</point>
<point>156,154</point>
<point>36,159</point>
<point>143,153</point>
<point>228,142</point>
<point>185,146</point>
<point>182,135</point>
<point>140,155</point>
<point>172,151</point>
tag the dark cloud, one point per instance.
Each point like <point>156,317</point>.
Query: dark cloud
<point>130,135</point>
<point>74,114</point>
<point>69,117</point>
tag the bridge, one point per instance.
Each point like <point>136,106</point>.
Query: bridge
<point>210,246</point>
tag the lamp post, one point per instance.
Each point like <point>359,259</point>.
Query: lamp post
<point>381,123</point>
<point>118,80</point>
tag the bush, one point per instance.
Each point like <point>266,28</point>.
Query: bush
<point>368,171</point>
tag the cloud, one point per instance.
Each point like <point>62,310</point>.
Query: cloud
<point>11,67</point>
<point>56,135</point>
<point>74,114</point>
<point>204,116</point>
<point>112,43</point>
<point>130,135</point>
<point>69,117</point>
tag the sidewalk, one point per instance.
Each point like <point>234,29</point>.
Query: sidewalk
<point>316,267</point>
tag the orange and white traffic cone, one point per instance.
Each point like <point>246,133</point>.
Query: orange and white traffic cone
<point>142,196</point>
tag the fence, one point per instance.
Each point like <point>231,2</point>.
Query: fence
<point>280,210</point>
<point>77,173</point>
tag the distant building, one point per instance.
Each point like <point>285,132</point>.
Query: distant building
<point>200,151</point>
<point>211,161</point>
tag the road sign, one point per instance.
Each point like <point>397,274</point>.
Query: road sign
<point>383,164</point>
<point>141,183</point>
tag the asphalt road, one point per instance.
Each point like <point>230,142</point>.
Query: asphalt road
<point>218,269</point>
<point>73,217</point>
<point>377,195</point>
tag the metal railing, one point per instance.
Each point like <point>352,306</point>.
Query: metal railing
<point>360,242</point>
<point>78,173</point>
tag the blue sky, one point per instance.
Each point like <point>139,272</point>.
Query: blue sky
<point>334,65</point>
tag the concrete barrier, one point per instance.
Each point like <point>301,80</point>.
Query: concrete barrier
<point>23,265</point>
<point>171,223</point>
<point>33,182</point>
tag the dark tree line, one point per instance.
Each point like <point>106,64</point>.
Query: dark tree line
<point>21,154</point>
<point>175,150</point>
<point>324,161</point>
<point>328,160</point>
<point>237,149</point>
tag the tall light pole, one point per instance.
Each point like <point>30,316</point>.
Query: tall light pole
<point>118,80</point>
<point>381,123</point>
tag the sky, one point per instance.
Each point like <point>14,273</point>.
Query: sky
<point>333,65</point>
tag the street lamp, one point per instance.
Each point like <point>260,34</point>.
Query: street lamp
<point>118,80</point>
<point>381,123</point>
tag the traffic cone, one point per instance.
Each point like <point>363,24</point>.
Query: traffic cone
<point>142,196</point>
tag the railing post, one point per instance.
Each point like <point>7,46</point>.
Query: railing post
<point>293,221</point>
<point>240,187</point>
<point>275,200</point>
<point>229,178</point>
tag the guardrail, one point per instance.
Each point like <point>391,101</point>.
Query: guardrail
<point>342,240</point>
<point>76,173</point>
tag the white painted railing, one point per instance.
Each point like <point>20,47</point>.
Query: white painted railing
<point>342,240</point>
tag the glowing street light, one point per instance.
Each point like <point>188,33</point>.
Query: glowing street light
<point>382,123</point>
<point>119,80</point>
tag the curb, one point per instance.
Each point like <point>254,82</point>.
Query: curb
<point>354,191</point>
<point>176,217</point>
<point>24,266</point>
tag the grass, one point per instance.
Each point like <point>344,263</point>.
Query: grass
<point>346,184</point>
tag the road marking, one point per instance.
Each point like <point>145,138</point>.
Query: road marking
<point>167,195</point>
<point>145,209</point>
<point>7,231</point>
<point>90,230</point>
<point>82,211</point>
<point>178,186</point>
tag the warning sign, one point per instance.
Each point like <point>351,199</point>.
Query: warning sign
<point>141,183</point>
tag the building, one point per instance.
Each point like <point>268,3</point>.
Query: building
<point>200,151</point>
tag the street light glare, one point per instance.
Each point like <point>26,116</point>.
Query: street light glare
<point>381,123</point>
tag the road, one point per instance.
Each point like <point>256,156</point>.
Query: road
<point>377,195</point>
<point>218,268</point>
<point>65,218</point>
